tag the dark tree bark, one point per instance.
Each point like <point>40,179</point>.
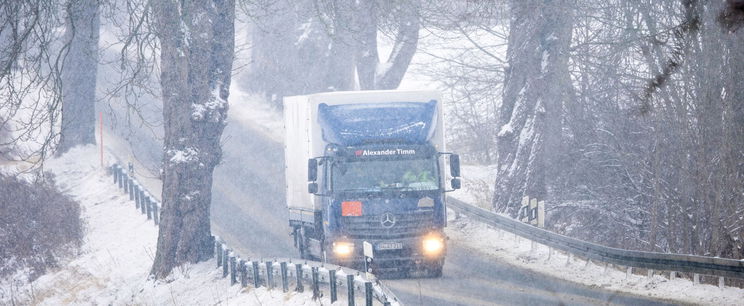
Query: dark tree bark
<point>535,88</point>
<point>197,45</point>
<point>339,72</point>
<point>79,75</point>
<point>367,58</point>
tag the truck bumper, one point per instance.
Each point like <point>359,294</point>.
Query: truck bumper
<point>387,257</point>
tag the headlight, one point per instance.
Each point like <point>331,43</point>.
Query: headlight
<point>343,249</point>
<point>433,244</point>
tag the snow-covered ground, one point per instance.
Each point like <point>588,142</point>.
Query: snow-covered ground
<point>117,253</point>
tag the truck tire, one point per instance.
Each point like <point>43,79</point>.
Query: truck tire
<point>303,251</point>
<point>435,271</point>
<point>302,244</point>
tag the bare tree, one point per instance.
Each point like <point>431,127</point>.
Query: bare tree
<point>31,57</point>
<point>196,55</point>
<point>79,75</point>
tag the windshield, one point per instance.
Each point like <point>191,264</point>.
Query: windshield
<point>376,175</point>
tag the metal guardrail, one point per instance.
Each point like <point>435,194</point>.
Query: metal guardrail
<point>143,200</point>
<point>715,266</point>
<point>295,270</point>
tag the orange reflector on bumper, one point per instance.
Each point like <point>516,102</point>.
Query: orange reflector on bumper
<point>351,208</point>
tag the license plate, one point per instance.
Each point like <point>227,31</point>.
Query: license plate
<point>389,245</point>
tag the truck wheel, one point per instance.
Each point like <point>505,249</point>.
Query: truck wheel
<point>303,252</point>
<point>302,244</point>
<point>435,271</point>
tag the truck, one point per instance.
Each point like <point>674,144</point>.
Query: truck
<point>366,176</point>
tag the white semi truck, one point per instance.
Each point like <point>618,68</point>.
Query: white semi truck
<point>369,166</point>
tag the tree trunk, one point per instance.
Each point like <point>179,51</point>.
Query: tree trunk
<point>389,74</point>
<point>197,45</point>
<point>371,73</point>
<point>534,92</point>
<point>367,58</point>
<point>79,75</point>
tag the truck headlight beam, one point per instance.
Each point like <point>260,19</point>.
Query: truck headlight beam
<point>433,245</point>
<point>343,249</point>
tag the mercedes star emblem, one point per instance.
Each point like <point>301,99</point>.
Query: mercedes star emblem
<point>387,220</point>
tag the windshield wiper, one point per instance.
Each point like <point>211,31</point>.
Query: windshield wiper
<point>400,188</point>
<point>361,189</point>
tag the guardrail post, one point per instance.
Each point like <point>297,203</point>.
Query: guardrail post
<point>148,205</point>
<point>143,197</point>
<point>368,293</point>
<point>298,274</point>
<point>125,180</point>
<point>283,272</point>
<point>316,284</point>
<point>524,210</point>
<point>256,280</point>
<point>541,214</point>
<point>130,184</point>
<point>124,187</point>
<point>233,271</point>
<point>218,252</point>
<point>137,190</point>
<point>532,219</point>
<point>143,208</point>
<point>225,257</point>
<point>332,283</point>
<point>672,275</point>
<point>650,273</point>
<point>114,172</point>
<point>155,216</point>
<point>138,196</point>
<point>628,272</point>
<point>721,282</point>
<point>120,173</point>
<point>696,279</point>
<point>270,275</point>
<point>350,286</point>
<point>243,269</point>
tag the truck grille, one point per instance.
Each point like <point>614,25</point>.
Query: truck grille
<point>405,225</point>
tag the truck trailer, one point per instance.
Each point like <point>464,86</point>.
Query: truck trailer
<point>369,167</point>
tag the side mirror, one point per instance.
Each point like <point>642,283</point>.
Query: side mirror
<point>456,184</point>
<point>312,170</point>
<point>312,188</point>
<point>455,165</point>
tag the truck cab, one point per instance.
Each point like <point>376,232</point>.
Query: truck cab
<point>380,179</point>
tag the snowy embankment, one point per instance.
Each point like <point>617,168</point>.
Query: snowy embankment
<point>117,253</point>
